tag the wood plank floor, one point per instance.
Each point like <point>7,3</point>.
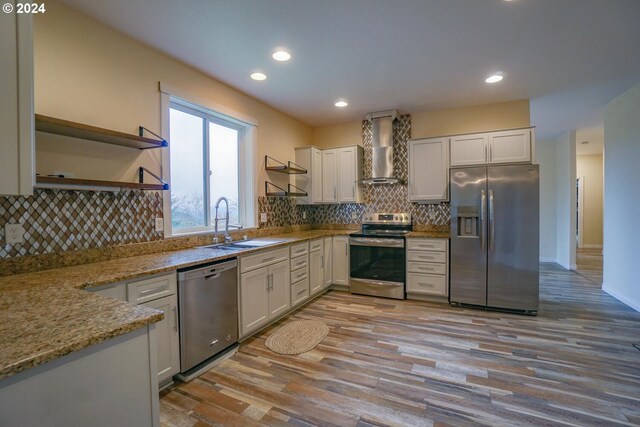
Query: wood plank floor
<point>407,363</point>
<point>589,263</point>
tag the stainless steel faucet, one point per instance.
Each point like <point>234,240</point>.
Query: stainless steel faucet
<point>227,236</point>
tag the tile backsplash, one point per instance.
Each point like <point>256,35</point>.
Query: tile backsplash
<point>377,198</point>
<point>67,220</point>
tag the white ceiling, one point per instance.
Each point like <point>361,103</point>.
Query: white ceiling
<point>570,57</point>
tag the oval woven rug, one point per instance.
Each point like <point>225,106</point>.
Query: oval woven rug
<point>297,337</point>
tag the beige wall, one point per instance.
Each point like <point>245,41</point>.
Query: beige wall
<point>591,168</point>
<point>89,73</point>
<point>504,115</point>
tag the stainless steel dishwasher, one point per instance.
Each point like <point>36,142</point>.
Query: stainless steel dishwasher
<point>208,301</point>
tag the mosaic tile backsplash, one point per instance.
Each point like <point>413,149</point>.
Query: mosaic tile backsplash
<point>378,198</point>
<point>67,220</point>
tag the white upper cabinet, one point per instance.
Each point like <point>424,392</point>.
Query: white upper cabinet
<point>329,176</point>
<point>469,150</point>
<point>349,171</point>
<point>16,109</point>
<point>512,146</point>
<point>509,146</point>
<point>309,158</point>
<point>429,170</point>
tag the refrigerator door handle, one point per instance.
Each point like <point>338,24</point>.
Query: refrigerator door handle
<point>483,203</point>
<point>491,220</point>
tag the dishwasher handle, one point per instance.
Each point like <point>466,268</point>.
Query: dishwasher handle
<point>206,271</point>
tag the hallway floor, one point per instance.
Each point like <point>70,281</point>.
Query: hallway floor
<point>589,262</point>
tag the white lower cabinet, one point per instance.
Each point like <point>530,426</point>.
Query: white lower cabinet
<point>316,269</point>
<point>341,260</point>
<point>159,292</point>
<point>167,338</point>
<point>427,267</point>
<point>254,307</point>
<point>327,259</point>
<point>264,290</point>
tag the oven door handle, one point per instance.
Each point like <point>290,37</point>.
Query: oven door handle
<point>377,283</point>
<point>384,243</point>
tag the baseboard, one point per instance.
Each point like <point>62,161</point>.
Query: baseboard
<point>591,246</point>
<point>545,259</point>
<point>623,299</point>
<point>574,267</point>
<point>344,288</point>
<point>566,266</point>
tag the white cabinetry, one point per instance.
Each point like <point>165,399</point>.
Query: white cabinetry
<point>330,176</point>
<point>349,171</point>
<point>341,260</point>
<point>16,109</point>
<point>316,267</point>
<point>264,288</point>
<point>309,158</point>
<point>161,293</point>
<point>467,150</point>
<point>429,170</point>
<point>510,146</point>
<point>427,272</point>
<point>328,261</point>
<point>299,273</point>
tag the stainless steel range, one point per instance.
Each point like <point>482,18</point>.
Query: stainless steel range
<point>378,256</point>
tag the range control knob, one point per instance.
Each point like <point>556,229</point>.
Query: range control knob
<point>395,217</point>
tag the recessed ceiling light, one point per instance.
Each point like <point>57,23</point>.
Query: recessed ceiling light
<point>258,76</point>
<point>281,55</point>
<point>341,104</point>
<point>494,78</point>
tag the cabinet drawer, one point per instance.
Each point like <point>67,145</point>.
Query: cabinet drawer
<point>299,262</point>
<point>426,267</point>
<point>299,291</point>
<point>426,256</point>
<point>301,273</point>
<point>316,245</point>
<point>151,289</point>
<point>252,262</point>
<point>427,284</point>
<point>299,249</point>
<point>427,244</point>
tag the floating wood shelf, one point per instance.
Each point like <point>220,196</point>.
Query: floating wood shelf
<point>54,182</point>
<point>82,131</point>
<point>288,168</point>
<point>281,192</point>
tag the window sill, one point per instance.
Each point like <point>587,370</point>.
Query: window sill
<point>208,232</point>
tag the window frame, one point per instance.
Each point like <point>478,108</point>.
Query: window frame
<point>246,169</point>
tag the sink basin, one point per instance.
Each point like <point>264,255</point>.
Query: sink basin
<point>255,243</point>
<point>242,244</point>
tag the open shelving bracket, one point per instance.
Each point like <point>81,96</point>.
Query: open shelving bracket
<point>142,170</point>
<point>141,130</point>
<point>288,168</point>
<point>281,192</point>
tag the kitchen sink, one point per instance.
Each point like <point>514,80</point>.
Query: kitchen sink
<point>242,244</point>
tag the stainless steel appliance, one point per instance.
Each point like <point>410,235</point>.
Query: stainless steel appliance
<point>495,237</point>
<point>208,302</point>
<point>378,257</point>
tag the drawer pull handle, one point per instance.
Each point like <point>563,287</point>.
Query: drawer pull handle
<point>302,292</point>
<point>213,343</point>
<point>152,290</point>
<point>271,258</point>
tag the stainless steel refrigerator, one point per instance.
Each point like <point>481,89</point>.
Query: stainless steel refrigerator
<point>495,237</point>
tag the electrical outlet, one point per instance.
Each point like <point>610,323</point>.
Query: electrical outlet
<point>263,218</point>
<point>354,215</point>
<point>14,233</point>
<point>431,216</point>
<point>159,224</point>
<point>304,214</point>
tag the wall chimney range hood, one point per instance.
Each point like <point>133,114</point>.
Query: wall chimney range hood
<point>382,148</point>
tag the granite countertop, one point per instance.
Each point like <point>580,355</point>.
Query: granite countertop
<point>48,314</point>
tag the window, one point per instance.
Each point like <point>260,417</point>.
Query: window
<point>207,158</point>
